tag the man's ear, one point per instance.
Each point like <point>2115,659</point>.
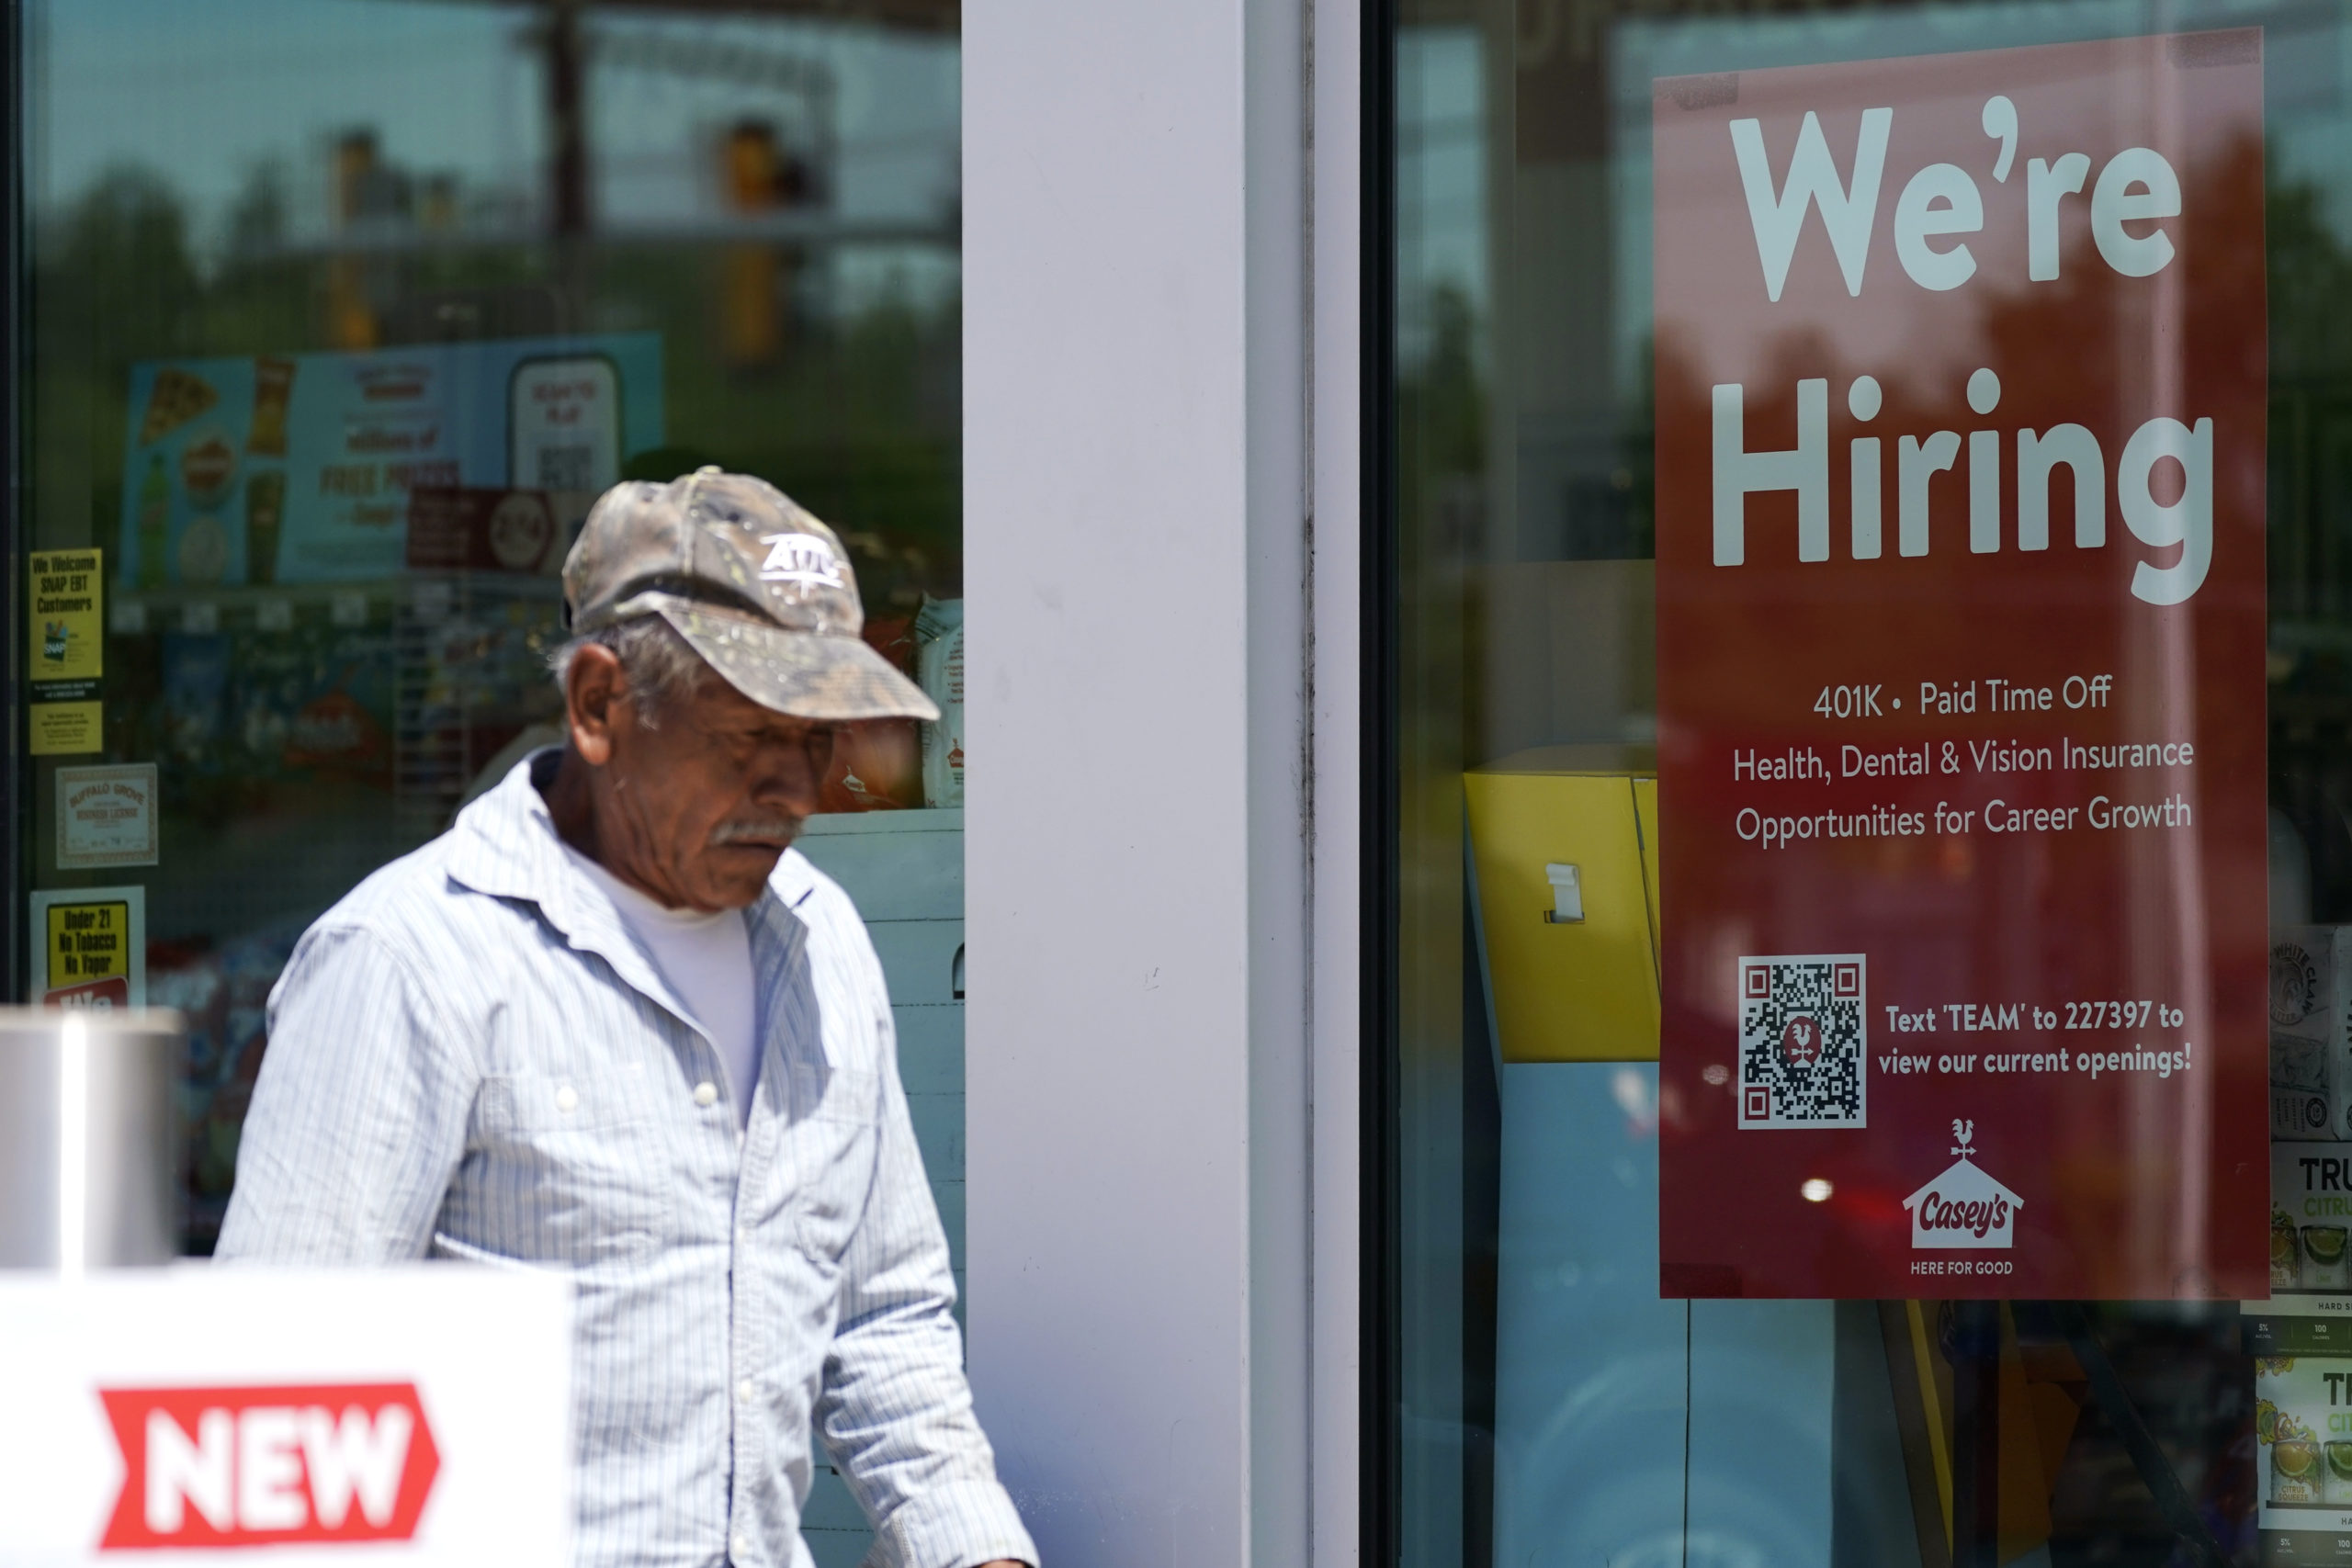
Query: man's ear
<point>596,701</point>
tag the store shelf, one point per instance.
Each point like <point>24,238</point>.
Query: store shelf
<point>434,595</point>
<point>805,230</point>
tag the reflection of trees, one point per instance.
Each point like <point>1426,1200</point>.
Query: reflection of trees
<point>859,420</point>
<point>1440,408</point>
<point>2311,279</point>
<point>2311,431</point>
<point>2311,539</point>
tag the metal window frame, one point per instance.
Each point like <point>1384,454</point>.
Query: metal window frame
<point>1380,1332</point>
<point>1163,247</point>
<point>13,856</point>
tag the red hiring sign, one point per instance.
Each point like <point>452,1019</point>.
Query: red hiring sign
<point>267,1466</point>
<point>1962,433</point>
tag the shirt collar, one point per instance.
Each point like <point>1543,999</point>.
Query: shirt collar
<point>506,845</point>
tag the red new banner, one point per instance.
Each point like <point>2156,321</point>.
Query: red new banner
<point>1961,452</point>
<point>264,1466</point>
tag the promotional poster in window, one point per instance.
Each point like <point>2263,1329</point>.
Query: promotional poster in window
<point>303,468</point>
<point>1961,399</point>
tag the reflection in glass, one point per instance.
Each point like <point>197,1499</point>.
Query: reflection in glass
<point>1522,446</point>
<point>340,311</point>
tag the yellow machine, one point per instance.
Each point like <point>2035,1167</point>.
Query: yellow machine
<point>1564,840</point>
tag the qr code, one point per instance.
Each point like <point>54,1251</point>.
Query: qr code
<point>1802,1041</point>
<point>567,468</point>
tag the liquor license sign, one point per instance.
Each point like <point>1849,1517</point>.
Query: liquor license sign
<point>1961,396</point>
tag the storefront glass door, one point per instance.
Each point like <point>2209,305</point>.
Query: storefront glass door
<point>336,315</point>
<point>1539,1398</point>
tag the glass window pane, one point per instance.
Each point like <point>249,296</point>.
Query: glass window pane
<point>1550,1406</point>
<point>340,313</point>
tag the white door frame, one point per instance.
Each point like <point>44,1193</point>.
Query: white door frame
<point>1161,254</point>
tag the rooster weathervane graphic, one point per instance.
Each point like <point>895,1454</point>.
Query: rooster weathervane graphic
<point>1965,1132</point>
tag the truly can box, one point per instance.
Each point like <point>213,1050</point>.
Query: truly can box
<point>2310,1032</point>
<point>2302,1430</point>
<point>2311,1222</point>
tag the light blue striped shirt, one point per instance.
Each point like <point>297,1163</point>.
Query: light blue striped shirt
<point>470,1057</point>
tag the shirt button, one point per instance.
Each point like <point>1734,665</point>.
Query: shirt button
<point>743,1544</point>
<point>705,1094</point>
<point>744,1390</point>
<point>567,1100</point>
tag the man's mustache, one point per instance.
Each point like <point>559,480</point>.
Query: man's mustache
<point>778,831</point>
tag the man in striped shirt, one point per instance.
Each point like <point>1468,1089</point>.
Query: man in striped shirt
<point>612,1023</point>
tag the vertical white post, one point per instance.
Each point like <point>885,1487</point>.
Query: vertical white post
<point>1335,436</point>
<point>72,1146</point>
<point>1160,419</point>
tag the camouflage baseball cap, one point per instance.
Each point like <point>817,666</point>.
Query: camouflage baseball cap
<point>759,588</point>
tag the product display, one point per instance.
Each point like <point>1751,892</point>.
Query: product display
<point>939,670</point>
<point>265,511</point>
<point>225,996</point>
<point>2322,1267</point>
<point>2310,1032</point>
<point>2310,1305</point>
<point>196,683</point>
<point>318,389</point>
<point>878,766</point>
<point>313,700</point>
<point>2302,1430</point>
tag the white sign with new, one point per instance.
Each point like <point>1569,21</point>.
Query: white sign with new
<point>415,1416</point>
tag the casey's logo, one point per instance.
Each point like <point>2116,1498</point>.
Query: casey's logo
<point>1963,1207</point>
<point>267,1466</point>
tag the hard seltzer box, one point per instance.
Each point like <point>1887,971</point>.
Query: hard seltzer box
<point>2311,1031</point>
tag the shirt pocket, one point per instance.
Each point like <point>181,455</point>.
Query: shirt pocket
<point>571,1168</point>
<point>448,1248</point>
<point>834,1141</point>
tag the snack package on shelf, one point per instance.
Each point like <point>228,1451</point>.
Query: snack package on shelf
<point>2303,1464</point>
<point>876,767</point>
<point>311,702</point>
<point>939,670</point>
<point>2310,1032</point>
<point>224,993</point>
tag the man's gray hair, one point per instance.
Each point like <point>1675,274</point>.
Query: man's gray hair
<point>662,667</point>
